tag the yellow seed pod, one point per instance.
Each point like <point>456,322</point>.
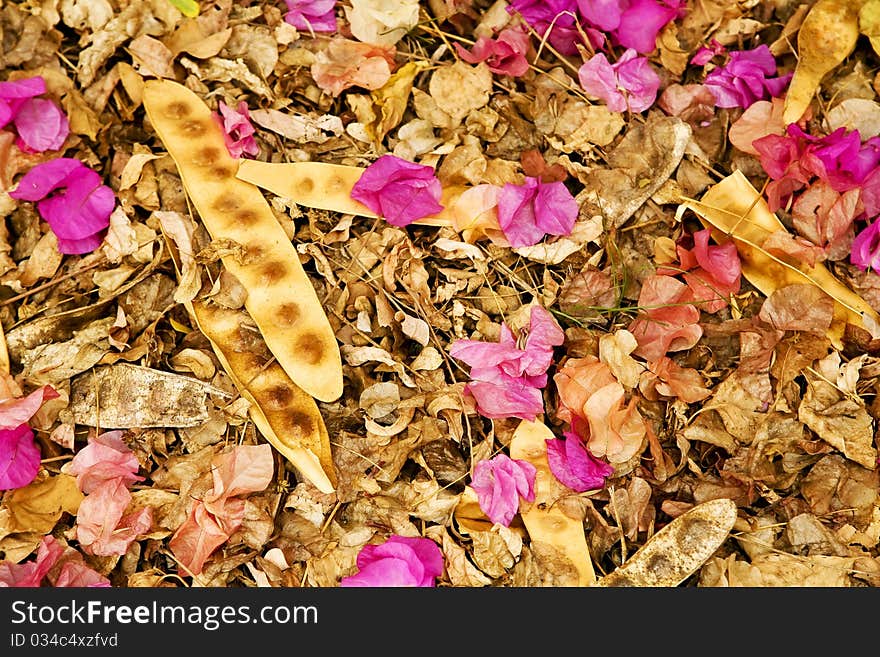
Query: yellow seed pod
<point>281,299</point>
<point>286,416</point>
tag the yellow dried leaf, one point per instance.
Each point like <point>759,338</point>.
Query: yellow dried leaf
<point>733,209</point>
<point>38,506</point>
<point>869,23</point>
<point>827,36</point>
<point>392,99</point>
<point>544,519</point>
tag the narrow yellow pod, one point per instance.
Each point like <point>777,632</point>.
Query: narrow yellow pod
<point>545,521</point>
<point>286,416</point>
<point>326,186</point>
<point>281,298</point>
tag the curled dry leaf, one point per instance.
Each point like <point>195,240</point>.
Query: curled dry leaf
<point>281,298</point>
<point>827,36</point>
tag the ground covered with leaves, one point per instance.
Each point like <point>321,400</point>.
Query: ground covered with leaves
<point>585,268</point>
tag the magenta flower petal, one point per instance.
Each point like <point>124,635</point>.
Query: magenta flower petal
<point>19,457</point>
<point>604,14</point>
<point>642,21</point>
<point>41,125</point>
<point>866,248</point>
<point>399,561</point>
<point>528,212</point>
<point>555,19</point>
<point>312,15</point>
<point>746,79</point>
<point>398,190</point>
<point>511,397</point>
<point>573,465</point>
<point>80,212</point>
<point>45,178</point>
<point>30,574</point>
<point>556,210</point>
<point>22,89</point>
<point>499,482</point>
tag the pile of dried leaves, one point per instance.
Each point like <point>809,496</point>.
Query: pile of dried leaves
<point>703,326</point>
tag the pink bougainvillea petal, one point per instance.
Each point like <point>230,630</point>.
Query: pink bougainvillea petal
<point>642,21</point>
<point>19,457</point>
<point>505,55</point>
<point>628,84</point>
<point>30,574</point>
<point>528,212</point>
<point>238,131</point>
<point>574,466</point>
<point>105,458</point>
<point>499,483</point>
<point>745,79</point>
<point>80,212</point>
<point>41,126</point>
<point>401,561</point>
<point>312,15</point>
<point>399,190</point>
<point>866,248</point>
<point>16,411</point>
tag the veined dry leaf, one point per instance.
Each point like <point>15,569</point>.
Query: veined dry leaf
<point>826,37</point>
<point>392,99</point>
<point>123,396</point>
<point>733,209</point>
<point>544,519</point>
<point>869,23</point>
<point>679,549</point>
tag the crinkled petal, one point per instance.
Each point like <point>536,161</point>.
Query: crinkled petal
<point>556,210</point>
<point>399,561</point>
<point>399,190</point>
<point>641,22</point>
<point>19,457</point>
<point>512,398</point>
<point>45,178</point>
<point>573,465</point>
<point>599,80</point>
<point>41,125</point>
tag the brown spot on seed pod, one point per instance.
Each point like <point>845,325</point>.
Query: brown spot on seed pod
<point>193,128</point>
<point>227,203</point>
<point>298,423</point>
<point>306,185</point>
<point>287,314</point>
<point>247,217</point>
<point>272,272</point>
<point>310,347</point>
<point>278,397</point>
<point>176,110</point>
<point>206,156</point>
<point>335,183</point>
<point>221,172</point>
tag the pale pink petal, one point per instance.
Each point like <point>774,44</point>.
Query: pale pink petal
<point>19,457</point>
<point>668,320</point>
<point>399,190</point>
<point>573,465</point>
<point>197,538</point>
<point>509,397</point>
<point>75,574</point>
<point>99,513</point>
<point>399,561</point>
<point>17,411</point>
<point>639,81</point>
<point>31,573</point>
<point>105,458</point>
<point>245,469</point>
<point>599,79</point>
<point>41,126</point>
